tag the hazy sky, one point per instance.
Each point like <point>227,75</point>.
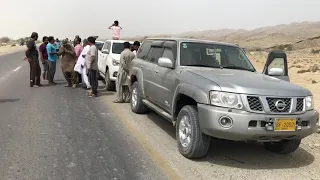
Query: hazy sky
<point>66,18</point>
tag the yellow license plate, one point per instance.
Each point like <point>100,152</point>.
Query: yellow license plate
<point>285,124</point>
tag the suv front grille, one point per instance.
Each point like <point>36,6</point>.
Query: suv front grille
<point>285,102</point>
<point>275,104</point>
<point>254,103</point>
<point>300,105</point>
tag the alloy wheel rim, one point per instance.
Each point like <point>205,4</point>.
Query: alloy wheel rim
<point>134,97</point>
<point>185,131</point>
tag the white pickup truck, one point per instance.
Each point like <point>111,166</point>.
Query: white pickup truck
<point>108,61</point>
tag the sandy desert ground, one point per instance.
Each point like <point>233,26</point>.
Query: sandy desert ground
<point>8,49</point>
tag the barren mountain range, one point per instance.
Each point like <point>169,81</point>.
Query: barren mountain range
<point>286,36</point>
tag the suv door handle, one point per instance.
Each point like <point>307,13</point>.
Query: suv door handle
<point>141,67</point>
<point>156,71</point>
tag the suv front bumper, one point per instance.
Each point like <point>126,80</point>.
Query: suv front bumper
<point>248,126</point>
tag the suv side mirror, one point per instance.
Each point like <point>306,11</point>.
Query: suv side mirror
<point>165,62</point>
<point>275,72</point>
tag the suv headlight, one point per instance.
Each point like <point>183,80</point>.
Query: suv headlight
<point>115,62</point>
<point>224,99</point>
<point>309,103</point>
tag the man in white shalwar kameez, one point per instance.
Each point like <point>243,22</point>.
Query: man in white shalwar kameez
<point>80,66</point>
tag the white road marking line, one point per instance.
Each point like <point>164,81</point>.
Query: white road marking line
<point>16,69</point>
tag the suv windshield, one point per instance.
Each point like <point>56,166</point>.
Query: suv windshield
<point>212,55</point>
<point>117,48</point>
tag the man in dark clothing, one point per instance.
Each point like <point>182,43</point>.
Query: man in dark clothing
<point>33,57</point>
<point>44,57</point>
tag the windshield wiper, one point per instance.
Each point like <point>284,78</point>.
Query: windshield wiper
<point>237,67</point>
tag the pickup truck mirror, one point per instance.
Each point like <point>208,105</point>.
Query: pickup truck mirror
<point>105,51</point>
<point>165,62</point>
<point>275,72</point>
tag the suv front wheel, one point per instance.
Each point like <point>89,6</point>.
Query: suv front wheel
<point>192,143</point>
<point>136,103</point>
<point>284,146</point>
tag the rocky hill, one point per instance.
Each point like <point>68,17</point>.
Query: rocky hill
<point>285,36</point>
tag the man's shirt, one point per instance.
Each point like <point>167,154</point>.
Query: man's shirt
<point>93,52</point>
<point>43,50</point>
<point>32,49</point>
<point>116,31</point>
<point>51,49</point>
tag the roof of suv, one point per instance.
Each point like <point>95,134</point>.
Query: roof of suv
<point>192,40</point>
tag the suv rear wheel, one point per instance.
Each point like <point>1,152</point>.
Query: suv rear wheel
<point>192,143</point>
<point>284,146</point>
<point>136,103</point>
<point>109,84</point>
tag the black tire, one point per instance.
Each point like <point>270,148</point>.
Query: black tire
<point>284,146</point>
<point>136,93</point>
<point>199,142</point>
<point>110,85</point>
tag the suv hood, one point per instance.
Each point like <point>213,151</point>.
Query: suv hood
<point>246,82</point>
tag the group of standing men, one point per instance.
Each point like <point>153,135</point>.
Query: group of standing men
<point>79,63</point>
<point>49,51</point>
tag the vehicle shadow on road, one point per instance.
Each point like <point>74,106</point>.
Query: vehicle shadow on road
<point>242,155</point>
<point>8,100</point>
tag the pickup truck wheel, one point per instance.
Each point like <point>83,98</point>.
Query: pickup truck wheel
<point>192,143</point>
<point>109,84</point>
<point>136,103</point>
<point>284,146</point>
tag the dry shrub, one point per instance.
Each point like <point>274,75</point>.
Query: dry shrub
<point>4,40</point>
<point>314,81</point>
<point>315,51</point>
<point>314,68</point>
<point>301,71</point>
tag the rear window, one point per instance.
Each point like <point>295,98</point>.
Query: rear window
<point>117,48</point>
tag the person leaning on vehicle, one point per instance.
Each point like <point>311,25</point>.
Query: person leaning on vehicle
<point>32,55</point>
<point>122,85</point>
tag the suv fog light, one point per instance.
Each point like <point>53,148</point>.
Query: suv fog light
<point>225,121</point>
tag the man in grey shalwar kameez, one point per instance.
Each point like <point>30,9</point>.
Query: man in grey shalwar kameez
<point>122,84</point>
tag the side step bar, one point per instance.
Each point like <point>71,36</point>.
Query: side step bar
<point>161,112</point>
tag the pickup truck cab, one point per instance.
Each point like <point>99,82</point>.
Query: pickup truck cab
<point>211,89</point>
<point>109,60</point>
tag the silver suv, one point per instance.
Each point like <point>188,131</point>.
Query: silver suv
<point>210,89</point>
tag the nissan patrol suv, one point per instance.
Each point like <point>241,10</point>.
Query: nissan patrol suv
<point>210,89</point>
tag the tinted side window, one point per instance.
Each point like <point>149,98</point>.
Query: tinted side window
<point>155,54</point>
<point>144,49</point>
<point>168,53</point>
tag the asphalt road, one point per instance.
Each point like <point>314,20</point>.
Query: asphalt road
<point>54,132</point>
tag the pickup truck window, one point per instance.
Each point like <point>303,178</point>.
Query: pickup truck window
<point>117,48</point>
<point>154,54</point>
<point>99,45</point>
<point>212,55</point>
<point>106,46</point>
<point>144,49</point>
